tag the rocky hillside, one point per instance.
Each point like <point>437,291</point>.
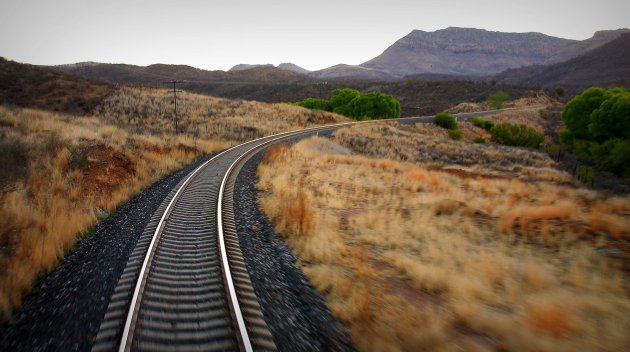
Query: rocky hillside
<point>607,65</point>
<point>39,87</point>
<point>465,51</point>
<point>582,47</point>
<point>349,71</point>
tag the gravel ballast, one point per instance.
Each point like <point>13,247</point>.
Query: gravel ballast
<point>64,311</point>
<point>295,313</point>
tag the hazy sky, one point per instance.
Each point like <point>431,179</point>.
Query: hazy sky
<point>313,34</point>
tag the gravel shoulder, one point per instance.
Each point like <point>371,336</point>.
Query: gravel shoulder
<point>295,313</point>
<point>64,310</point>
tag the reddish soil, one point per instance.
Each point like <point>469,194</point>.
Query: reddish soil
<point>105,170</point>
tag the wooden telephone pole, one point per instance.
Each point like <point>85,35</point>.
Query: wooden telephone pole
<point>175,91</point>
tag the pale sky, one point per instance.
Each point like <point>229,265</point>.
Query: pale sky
<point>312,34</point>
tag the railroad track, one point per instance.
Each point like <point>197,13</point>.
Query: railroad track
<point>185,286</point>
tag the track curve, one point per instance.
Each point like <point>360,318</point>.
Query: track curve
<point>186,286</point>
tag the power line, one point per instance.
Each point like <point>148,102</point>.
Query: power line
<point>175,91</point>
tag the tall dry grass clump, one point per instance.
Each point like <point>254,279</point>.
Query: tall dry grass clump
<point>64,173</point>
<point>411,256</point>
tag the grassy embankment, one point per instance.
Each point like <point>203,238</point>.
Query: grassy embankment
<point>419,242</point>
<point>61,173</point>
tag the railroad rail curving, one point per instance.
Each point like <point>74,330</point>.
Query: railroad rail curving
<point>185,286</point>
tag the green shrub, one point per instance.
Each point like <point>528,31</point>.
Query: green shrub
<point>374,106</point>
<point>455,134</point>
<point>445,120</point>
<point>313,103</point>
<point>517,135</point>
<point>612,155</point>
<point>496,99</point>
<point>481,123</point>
<point>479,140</point>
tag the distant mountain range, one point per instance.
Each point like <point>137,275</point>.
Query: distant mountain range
<point>476,59</point>
<point>470,53</point>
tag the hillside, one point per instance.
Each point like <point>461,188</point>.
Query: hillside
<point>39,87</point>
<point>580,48</point>
<point>419,95</point>
<point>352,71</point>
<point>293,67</point>
<point>157,74</point>
<point>607,65</point>
<point>465,51</point>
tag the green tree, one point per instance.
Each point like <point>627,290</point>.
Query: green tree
<point>445,120</point>
<point>577,113</point>
<point>612,118</point>
<point>313,103</point>
<point>496,99</point>
<point>517,135</point>
<point>598,128</point>
<point>340,100</point>
<point>374,106</point>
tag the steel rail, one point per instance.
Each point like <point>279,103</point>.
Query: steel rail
<point>131,317</point>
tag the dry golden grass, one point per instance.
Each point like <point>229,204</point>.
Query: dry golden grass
<point>430,145</point>
<point>76,168</point>
<point>207,117</point>
<point>417,258</point>
<point>67,171</point>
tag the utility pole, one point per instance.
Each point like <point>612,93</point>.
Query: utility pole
<point>174,83</point>
<point>321,85</point>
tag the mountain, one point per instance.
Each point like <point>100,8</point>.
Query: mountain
<point>243,67</point>
<point>607,65</point>
<point>293,67</point>
<point>40,87</point>
<point>351,71</point>
<point>579,48</point>
<point>465,51</point>
<point>158,74</point>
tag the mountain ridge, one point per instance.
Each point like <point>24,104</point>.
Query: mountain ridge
<point>607,65</point>
<point>465,51</point>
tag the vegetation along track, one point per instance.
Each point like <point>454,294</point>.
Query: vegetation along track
<point>185,285</point>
